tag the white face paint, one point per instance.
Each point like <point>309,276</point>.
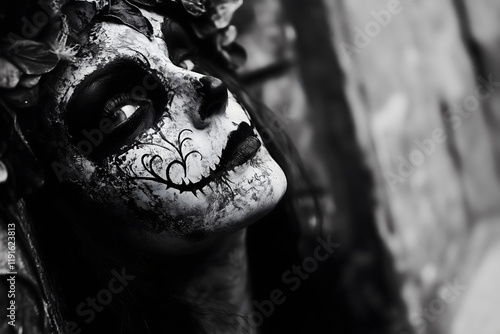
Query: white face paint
<point>164,149</point>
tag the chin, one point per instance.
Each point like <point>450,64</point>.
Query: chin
<point>259,187</point>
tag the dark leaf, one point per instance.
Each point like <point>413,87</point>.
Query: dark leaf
<point>131,16</point>
<point>195,7</point>
<point>79,14</point>
<point>148,3</point>
<point>33,58</point>
<point>178,41</point>
<point>22,97</point>
<point>54,32</point>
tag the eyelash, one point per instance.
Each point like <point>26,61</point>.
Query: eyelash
<point>117,102</point>
<point>112,104</point>
<point>108,96</point>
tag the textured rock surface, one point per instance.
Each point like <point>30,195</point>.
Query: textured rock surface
<point>411,76</point>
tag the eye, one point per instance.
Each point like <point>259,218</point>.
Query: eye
<point>187,64</point>
<point>112,107</point>
<point>125,118</point>
<point>121,108</point>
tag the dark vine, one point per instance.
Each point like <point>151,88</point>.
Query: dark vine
<point>217,175</point>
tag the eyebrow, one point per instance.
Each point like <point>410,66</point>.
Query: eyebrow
<point>117,66</point>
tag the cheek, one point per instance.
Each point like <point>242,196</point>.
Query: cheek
<point>252,190</point>
<point>135,184</point>
<point>143,204</point>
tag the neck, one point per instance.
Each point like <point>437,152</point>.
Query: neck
<point>220,284</point>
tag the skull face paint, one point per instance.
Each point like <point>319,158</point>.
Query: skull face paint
<point>168,151</point>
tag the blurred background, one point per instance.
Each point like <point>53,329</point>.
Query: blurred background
<point>394,106</point>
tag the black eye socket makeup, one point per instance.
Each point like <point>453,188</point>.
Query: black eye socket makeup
<point>112,106</point>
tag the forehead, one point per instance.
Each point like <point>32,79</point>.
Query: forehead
<point>109,41</point>
<point>122,38</point>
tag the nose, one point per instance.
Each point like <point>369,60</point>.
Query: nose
<point>214,97</point>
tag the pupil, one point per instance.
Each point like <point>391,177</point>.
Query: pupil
<point>123,113</point>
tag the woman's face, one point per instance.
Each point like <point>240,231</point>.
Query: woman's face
<point>167,151</point>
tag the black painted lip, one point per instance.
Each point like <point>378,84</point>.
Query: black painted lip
<point>241,146</point>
